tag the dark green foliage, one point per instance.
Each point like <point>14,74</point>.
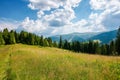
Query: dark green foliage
<point>37,40</point>
<point>112,50</point>
<point>96,47</point>
<point>60,42</point>
<point>17,37</point>
<point>41,41</point>
<point>6,36</point>
<point>66,45</point>
<point>91,47</point>
<point>45,43</point>
<point>12,37</point>
<point>49,42</point>
<point>55,44</point>
<point>107,49</point>
<point>118,42</point>
<point>103,49</point>
<point>2,42</point>
<point>23,37</point>
<point>31,39</point>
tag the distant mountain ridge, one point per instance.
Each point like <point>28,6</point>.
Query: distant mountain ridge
<point>104,37</point>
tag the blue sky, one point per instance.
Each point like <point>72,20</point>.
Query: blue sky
<point>54,17</point>
<point>16,9</point>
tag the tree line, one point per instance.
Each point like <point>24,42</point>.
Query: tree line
<point>91,46</point>
<point>12,37</point>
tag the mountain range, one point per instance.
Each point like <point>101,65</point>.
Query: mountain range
<point>104,37</point>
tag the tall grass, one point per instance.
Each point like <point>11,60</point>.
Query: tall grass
<point>38,63</point>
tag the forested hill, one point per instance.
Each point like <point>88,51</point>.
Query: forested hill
<point>91,46</point>
<point>104,37</point>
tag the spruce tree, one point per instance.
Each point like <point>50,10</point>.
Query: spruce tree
<point>112,48</point>
<point>91,47</point>
<point>41,41</point>
<point>23,37</point>
<point>55,44</point>
<point>2,42</point>
<point>103,49</point>
<point>6,36</point>
<point>60,42</point>
<point>97,48</point>
<point>31,39</point>
<point>17,37</point>
<point>45,43</point>
<point>49,41</point>
<point>37,40</point>
<point>65,45</point>
<point>118,42</point>
<point>12,37</point>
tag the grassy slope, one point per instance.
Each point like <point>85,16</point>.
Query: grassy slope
<point>23,62</point>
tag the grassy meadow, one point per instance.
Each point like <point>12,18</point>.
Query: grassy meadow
<point>25,62</point>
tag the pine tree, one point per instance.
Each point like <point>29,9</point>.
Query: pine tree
<point>31,39</point>
<point>37,40</point>
<point>55,44</point>
<point>107,49</point>
<point>91,47</point>
<point>12,37</point>
<point>45,43</point>
<point>41,41</point>
<point>85,47</point>
<point>66,45</point>
<point>49,41</point>
<point>60,42</point>
<point>17,37</point>
<point>112,48</point>
<point>23,37</point>
<point>97,48</point>
<point>118,42</point>
<point>78,47</point>
<point>2,42</point>
<point>103,50</point>
<point>6,36</point>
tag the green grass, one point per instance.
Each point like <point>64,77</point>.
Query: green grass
<point>24,62</point>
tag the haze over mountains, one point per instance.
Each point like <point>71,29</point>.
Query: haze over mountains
<point>104,37</point>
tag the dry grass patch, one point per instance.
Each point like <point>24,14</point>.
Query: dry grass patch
<point>44,63</point>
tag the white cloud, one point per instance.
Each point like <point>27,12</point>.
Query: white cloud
<point>98,4</point>
<point>58,19</point>
<point>61,13</point>
<point>104,4</point>
<point>43,4</point>
<point>10,24</point>
<point>33,26</point>
<point>110,13</point>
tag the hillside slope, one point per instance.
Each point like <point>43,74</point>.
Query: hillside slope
<point>104,37</point>
<point>75,36</point>
<point>24,62</point>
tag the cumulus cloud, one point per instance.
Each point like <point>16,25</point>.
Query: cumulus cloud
<point>33,26</point>
<point>110,13</point>
<point>105,15</point>
<point>62,14</point>
<point>8,23</point>
<point>59,18</point>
